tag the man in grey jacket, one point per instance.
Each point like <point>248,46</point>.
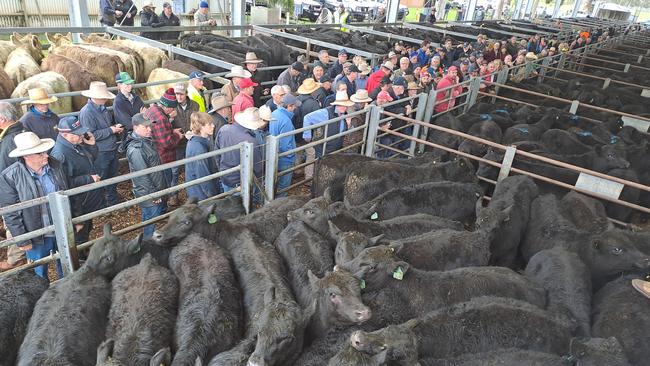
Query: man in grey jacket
<point>142,154</point>
<point>291,76</point>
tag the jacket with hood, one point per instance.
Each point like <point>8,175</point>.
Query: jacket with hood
<point>141,154</point>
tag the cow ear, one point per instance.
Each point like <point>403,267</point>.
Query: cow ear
<point>269,296</point>
<point>403,265</point>
<point>395,247</point>
<point>313,280</point>
<point>380,358</point>
<point>35,42</point>
<point>375,240</point>
<point>334,230</point>
<point>163,357</point>
<point>596,244</point>
<point>193,200</point>
<point>410,324</point>
<point>47,36</point>
<point>198,361</point>
<point>14,40</point>
<point>105,351</point>
<point>309,312</point>
<point>372,211</point>
<point>328,195</point>
<point>84,38</point>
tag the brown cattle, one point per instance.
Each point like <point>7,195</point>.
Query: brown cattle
<point>24,61</point>
<point>53,83</point>
<point>7,85</point>
<point>185,68</point>
<point>78,76</point>
<point>139,61</point>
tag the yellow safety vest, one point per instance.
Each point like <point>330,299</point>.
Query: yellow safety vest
<point>196,96</point>
<point>344,19</point>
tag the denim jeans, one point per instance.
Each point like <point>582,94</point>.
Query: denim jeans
<point>106,164</point>
<point>39,251</point>
<point>284,180</point>
<point>151,212</point>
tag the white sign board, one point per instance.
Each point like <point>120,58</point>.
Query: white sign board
<point>645,93</point>
<point>600,186</point>
<point>639,124</point>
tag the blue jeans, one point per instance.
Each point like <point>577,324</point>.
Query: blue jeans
<point>284,180</point>
<point>39,251</point>
<point>149,213</point>
<point>106,164</point>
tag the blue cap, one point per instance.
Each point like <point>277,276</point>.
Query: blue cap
<point>343,52</point>
<point>72,125</point>
<point>400,81</point>
<point>203,4</point>
<point>196,75</point>
<point>290,99</point>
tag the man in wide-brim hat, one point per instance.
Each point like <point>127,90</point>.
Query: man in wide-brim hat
<point>251,62</point>
<point>221,112</point>
<point>39,118</point>
<point>361,99</point>
<point>236,74</point>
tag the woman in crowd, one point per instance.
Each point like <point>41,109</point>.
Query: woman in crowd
<point>200,142</point>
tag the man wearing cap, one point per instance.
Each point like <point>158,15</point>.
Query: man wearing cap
<point>362,77</point>
<point>126,104</point>
<point>385,84</point>
<point>337,66</point>
<point>281,122</point>
<point>75,149</point>
<point>99,122</point>
<point>184,110</point>
<point>323,61</point>
<point>349,79</point>
<point>141,154</point>
<point>237,73</point>
<point>463,71</point>
<point>277,92</point>
<point>374,79</point>
<point>243,129</point>
<point>39,117</point>
<point>220,112</point>
<point>202,17</point>
<point>426,83</point>
<point>164,135</point>
<point>169,19</point>
<point>251,62</point>
<point>33,175</point>
<point>423,53</point>
<point>447,98</point>
<point>149,18</point>
<point>196,89</point>
<point>291,76</point>
<point>338,108</point>
<point>324,91</point>
<point>404,108</point>
<point>244,99</point>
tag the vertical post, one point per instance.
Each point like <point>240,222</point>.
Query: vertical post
<point>576,8</point>
<point>246,173</point>
<point>506,164</point>
<point>373,126</point>
<point>64,231</point>
<point>392,8</point>
<point>542,71</point>
<point>78,16</point>
<point>528,69</point>
<point>502,78</point>
<point>518,5</point>
<point>271,165</point>
<point>560,64</point>
<point>428,114</point>
<point>419,115</point>
<point>556,9</point>
<point>238,15</point>
<point>471,8</point>
<point>528,12</point>
<point>474,86</point>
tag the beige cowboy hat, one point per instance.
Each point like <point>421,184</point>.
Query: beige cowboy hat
<point>98,90</point>
<point>361,96</point>
<point>219,101</point>
<point>251,58</point>
<point>39,96</point>
<point>530,56</point>
<point>250,118</point>
<point>28,143</point>
<point>364,69</point>
<point>412,85</point>
<point>265,113</point>
<point>308,86</point>
<point>342,99</point>
<point>148,4</point>
<point>389,65</point>
<point>238,72</point>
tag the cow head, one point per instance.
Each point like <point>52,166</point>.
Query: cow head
<point>95,37</point>
<point>350,243</point>
<point>29,43</point>
<point>338,297</point>
<point>378,265</point>
<point>110,254</point>
<point>58,39</point>
<point>398,341</point>
<point>314,214</point>
<point>613,253</point>
<point>610,157</point>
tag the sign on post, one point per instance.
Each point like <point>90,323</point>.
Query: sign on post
<point>599,186</point>
<point>639,124</point>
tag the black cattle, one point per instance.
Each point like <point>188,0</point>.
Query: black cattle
<point>563,142</point>
<point>510,356</point>
<point>105,356</point>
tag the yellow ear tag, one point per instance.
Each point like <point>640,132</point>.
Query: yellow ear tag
<point>374,216</point>
<point>398,274</point>
<point>212,219</point>
<point>363,284</point>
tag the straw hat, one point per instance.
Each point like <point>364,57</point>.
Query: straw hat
<point>361,96</point>
<point>251,58</point>
<point>342,99</point>
<point>238,72</point>
<point>148,4</point>
<point>39,96</point>
<point>98,90</point>
<point>364,69</point>
<point>218,102</point>
<point>308,86</point>
<point>412,86</point>
<point>250,118</point>
<point>531,56</point>
<point>28,143</point>
<point>265,113</point>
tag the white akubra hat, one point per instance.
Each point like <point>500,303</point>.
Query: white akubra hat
<point>342,99</point>
<point>28,143</point>
<point>361,96</point>
<point>251,58</point>
<point>238,72</point>
<point>265,113</point>
<point>250,118</point>
<point>98,90</point>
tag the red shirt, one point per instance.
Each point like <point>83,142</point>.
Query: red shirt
<point>374,79</point>
<point>241,102</point>
<point>446,94</point>
<point>163,134</point>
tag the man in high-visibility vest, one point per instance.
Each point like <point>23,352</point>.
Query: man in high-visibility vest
<point>344,17</point>
<point>196,89</point>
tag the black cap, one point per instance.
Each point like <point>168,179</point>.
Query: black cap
<point>354,68</point>
<point>385,81</point>
<point>140,119</point>
<point>325,78</point>
<point>298,66</point>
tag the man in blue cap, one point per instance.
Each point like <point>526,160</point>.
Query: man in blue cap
<point>76,150</point>
<point>337,66</point>
<point>202,17</point>
<point>195,90</point>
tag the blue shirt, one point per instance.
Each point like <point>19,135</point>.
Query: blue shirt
<point>45,185</point>
<point>317,117</point>
<point>281,123</point>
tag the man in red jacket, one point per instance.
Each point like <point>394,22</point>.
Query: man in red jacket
<point>375,77</point>
<point>244,99</point>
<point>443,98</point>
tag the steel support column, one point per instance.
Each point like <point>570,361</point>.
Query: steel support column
<point>576,8</point>
<point>78,16</point>
<point>238,15</point>
<point>392,8</point>
<point>556,9</point>
<point>471,8</point>
<point>528,12</point>
<point>518,6</point>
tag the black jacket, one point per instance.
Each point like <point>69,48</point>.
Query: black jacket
<point>124,7</point>
<point>320,95</point>
<point>150,19</point>
<point>17,185</point>
<point>257,91</point>
<point>7,144</point>
<point>335,69</point>
<point>123,109</point>
<point>172,21</point>
<point>309,104</point>
<point>141,154</point>
<point>42,124</point>
<point>78,165</point>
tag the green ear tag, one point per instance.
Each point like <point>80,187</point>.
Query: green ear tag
<point>398,274</point>
<point>374,216</point>
<point>363,284</point>
<point>212,219</point>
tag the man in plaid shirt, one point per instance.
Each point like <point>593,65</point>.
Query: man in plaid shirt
<point>164,135</point>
